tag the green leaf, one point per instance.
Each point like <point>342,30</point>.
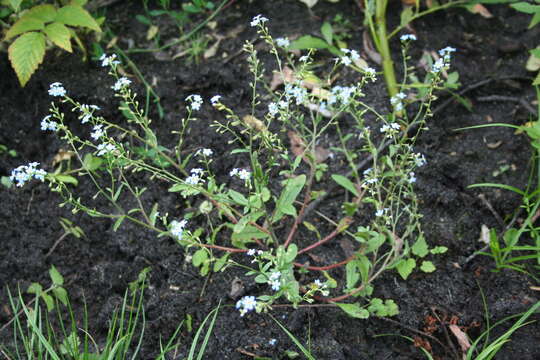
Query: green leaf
<point>238,197</point>
<point>66,179</point>
<point>15,4</point>
<point>288,196</point>
<point>535,20</point>
<point>56,277</point>
<point>537,79</point>
<point>525,7</point>
<point>59,34</point>
<point>291,253</point>
<point>24,24</point>
<point>35,288</point>
<point>45,13</point>
<point>439,250</point>
<point>327,32</point>
<point>76,16</point>
<point>352,274</point>
<point>61,295</point>
<point>354,310</point>
<point>49,301</point>
<point>346,183</point>
<point>427,266</point>
<point>406,15</point>
<point>91,162</point>
<point>308,42</point>
<point>25,55</point>
<point>405,268</point>
<point>199,257</point>
<point>420,247</point>
<point>220,263</point>
<point>118,222</point>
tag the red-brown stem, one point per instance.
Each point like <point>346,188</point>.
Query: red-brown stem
<point>301,213</point>
<point>332,235</point>
<point>327,267</point>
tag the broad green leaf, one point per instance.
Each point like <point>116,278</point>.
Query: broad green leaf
<point>354,310</point>
<point>56,277</point>
<point>439,250</point>
<point>288,196</point>
<point>535,20</point>
<point>346,183</point>
<point>427,266</point>
<point>405,268</point>
<point>406,15</point>
<point>45,13</point>
<point>25,55</point>
<point>290,255</point>
<point>420,247</point>
<point>49,301</point>
<point>238,197</point>
<point>25,24</point>
<point>308,42</point>
<point>76,16</point>
<point>248,233</point>
<point>35,288</point>
<point>59,34</point>
<point>199,257</point>
<point>91,162</point>
<point>61,294</point>
<point>352,274</point>
<point>327,32</point>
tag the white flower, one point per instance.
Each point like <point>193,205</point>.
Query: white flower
<point>298,93</point>
<point>195,101</point>
<point>275,275</point>
<point>121,83</point>
<point>407,37</point>
<point>215,100</point>
<point>105,149</point>
<point>283,42</point>
<point>273,109</point>
<point>56,89</point>
<point>24,173</point>
<point>272,342</point>
<point>370,71</point>
<point>354,55</point>
<point>446,51</point>
<point>108,60</point>
<point>87,111</point>
<point>419,160</point>
<point>251,252</point>
<point>438,66</point>
<point>98,132</point>
<point>345,60</point>
<point>241,173</point>
<point>47,124</point>
<point>319,284</point>
<point>257,20</point>
<point>412,178</point>
<point>246,304</point>
<point>304,58</point>
<point>381,212</point>
<point>177,228</point>
<point>275,284</point>
<point>205,152</point>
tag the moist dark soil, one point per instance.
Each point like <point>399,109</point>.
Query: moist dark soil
<point>99,266</point>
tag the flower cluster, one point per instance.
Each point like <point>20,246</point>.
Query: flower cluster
<point>195,101</point>
<point>274,280</point>
<point>397,101</point>
<point>121,83</point>
<point>370,176</point>
<point>343,94</point>
<point>443,62</point>
<point>48,124</point>
<point>98,132</point>
<point>246,304</point>
<point>419,159</point>
<point>214,100</point>
<point>87,112</point>
<point>204,152</point>
<point>283,42</point>
<point>241,173</point>
<point>390,129</point>
<point>109,60</point>
<point>408,37</point>
<point>105,148</point>
<point>56,89</point>
<point>177,228</point>
<point>350,57</point>
<point>296,92</point>
<point>195,177</point>
<point>24,173</point>
<point>258,20</point>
